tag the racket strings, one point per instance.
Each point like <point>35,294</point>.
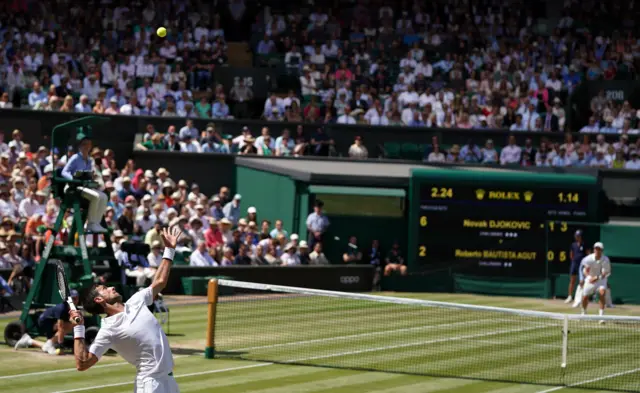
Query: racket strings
<point>62,282</point>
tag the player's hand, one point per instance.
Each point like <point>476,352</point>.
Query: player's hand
<point>75,315</point>
<point>170,236</point>
<point>593,279</point>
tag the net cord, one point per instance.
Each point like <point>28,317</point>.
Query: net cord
<point>423,303</point>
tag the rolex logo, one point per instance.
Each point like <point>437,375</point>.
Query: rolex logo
<point>480,194</point>
<point>528,196</point>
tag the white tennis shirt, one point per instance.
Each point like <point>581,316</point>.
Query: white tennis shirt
<point>137,336</point>
<point>601,267</point>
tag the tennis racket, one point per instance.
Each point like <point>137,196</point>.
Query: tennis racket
<point>63,287</point>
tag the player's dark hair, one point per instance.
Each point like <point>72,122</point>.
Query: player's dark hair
<point>89,304</point>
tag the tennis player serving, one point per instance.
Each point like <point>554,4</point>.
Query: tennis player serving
<point>131,329</point>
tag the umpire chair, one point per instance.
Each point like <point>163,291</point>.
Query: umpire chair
<point>74,253</point>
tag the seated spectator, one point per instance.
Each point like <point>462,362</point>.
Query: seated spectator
<point>352,255</point>
<point>213,235</point>
<point>317,257</point>
<point>243,256</point>
<point>592,127</point>
<point>290,257</point>
<point>395,261</point>
<point>201,257</point>
<point>37,97</point>
<point>155,256</point>
<point>561,160</point>
<point>510,154</point>
<point>599,160</point>
<point>5,103</point>
<point>227,257</point>
<point>358,150</point>
<point>634,162</point>
<point>303,253</point>
<point>470,153</point>
<point>489,153</point>
<point>190,145</point>
<point>454,155</point>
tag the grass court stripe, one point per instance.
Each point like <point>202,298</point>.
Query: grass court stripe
<point>591,381</point>
<point>222,370</point>
<point>65,370</point>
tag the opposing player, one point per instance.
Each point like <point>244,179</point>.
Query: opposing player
<point>131,329</point>
<point>596,269</point>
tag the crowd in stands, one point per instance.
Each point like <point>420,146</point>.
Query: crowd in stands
<point>444,64</point>
<point>480,64</point>
<point>588,152</point>
<point>189,139</point>
<point>104,57</point>
<point>218,230</point>
<point>378,62</point>
<point>441,64</point>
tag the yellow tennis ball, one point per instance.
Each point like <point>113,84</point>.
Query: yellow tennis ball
<point>161,32</point>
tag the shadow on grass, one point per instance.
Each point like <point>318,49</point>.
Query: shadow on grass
<point>187,351</point>
<point>200,351</point>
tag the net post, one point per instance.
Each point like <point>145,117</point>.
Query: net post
<point>212,301</point>
<point>565,340</point>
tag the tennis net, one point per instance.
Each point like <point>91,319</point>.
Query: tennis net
<point>291,325</point>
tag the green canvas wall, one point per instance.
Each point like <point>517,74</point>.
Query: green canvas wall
<point>367,213</point>
<point>366,229</point>
<point>620,241</point>
<point>273,195</point>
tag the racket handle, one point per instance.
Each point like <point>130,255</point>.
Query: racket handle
<point>72,306</point>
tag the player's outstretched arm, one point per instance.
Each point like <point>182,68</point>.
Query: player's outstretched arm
<point>170,238</point>
<point>84,359</point>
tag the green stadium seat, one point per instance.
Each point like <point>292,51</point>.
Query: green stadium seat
<point>182,258</point>
<point>410,151</point>
<point>391,150</point>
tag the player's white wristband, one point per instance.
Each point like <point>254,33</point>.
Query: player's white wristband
<point>169,253</point>
<point>78,331</point>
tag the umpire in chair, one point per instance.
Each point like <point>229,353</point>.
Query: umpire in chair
<point>81,166</point>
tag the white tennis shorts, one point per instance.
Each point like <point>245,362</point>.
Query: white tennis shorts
<point>590,288</point>
<point>156,385</point>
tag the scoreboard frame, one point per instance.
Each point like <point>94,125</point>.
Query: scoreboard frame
<point>494,222</point>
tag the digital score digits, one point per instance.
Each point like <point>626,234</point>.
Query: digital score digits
<point>497,231</point>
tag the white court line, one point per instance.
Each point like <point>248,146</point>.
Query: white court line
<point>65,370</point>
<point>222,370</point>
<point>573,385</point>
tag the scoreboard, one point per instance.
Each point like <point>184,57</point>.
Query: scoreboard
<point>497,223</point>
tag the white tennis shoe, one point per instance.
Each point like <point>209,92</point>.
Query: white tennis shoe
<point>24,342</point>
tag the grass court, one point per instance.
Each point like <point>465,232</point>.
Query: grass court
<point>271,335</point>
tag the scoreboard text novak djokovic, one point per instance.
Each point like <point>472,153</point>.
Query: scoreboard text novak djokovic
<point>494,229</point>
